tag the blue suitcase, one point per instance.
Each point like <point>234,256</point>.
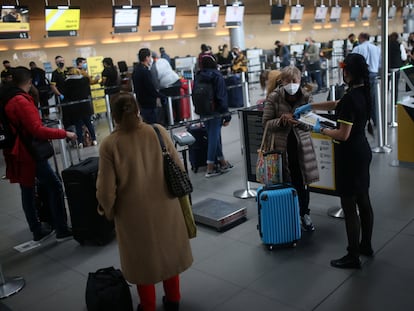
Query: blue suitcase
<point>279,217</point>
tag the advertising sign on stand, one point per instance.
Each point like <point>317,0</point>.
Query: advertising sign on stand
<point>95,68</point>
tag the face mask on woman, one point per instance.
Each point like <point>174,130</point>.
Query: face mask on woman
<point>84,66</point>
<point>292,88</point>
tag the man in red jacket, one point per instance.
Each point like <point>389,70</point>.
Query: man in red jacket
<point>21,167</point>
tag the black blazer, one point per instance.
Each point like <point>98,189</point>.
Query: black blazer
<point>144,87</point>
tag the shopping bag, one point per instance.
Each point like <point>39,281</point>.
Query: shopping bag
<point>268,170</point>
<point>188,216</point>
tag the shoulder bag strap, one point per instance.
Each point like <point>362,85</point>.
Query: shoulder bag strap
<point>157,130</point>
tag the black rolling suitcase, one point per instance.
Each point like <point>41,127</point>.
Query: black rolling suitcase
<point>234,93</point>
<point>80,188</point>
<point>198,150</point>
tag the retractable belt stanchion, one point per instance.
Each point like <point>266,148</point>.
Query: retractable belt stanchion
<point>190,91</point>
<point>109,115</point>
<point>245,88</point>
<point>394,87</point>
<point>10,286</point>
<point>247,192</point>
<point>170,111</point>
<point>381,124</point>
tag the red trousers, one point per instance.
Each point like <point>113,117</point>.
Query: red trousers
<point>146,293</point>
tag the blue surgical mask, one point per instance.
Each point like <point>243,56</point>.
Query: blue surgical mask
<point>84,66</point>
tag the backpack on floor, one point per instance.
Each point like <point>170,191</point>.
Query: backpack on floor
<point>107,290</point>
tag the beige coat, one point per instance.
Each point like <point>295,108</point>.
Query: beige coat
<point>151,233</point>
<point>275,106</point>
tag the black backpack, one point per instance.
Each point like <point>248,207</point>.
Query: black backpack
<point>7,137</point>
<point>107,290</point>
<point>203,98</point>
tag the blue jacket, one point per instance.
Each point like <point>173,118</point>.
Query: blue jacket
<point>220,89</point>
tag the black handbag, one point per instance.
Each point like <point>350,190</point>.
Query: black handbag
<point>41,149</point>
<point>178,182</point>
<point>107,290</point>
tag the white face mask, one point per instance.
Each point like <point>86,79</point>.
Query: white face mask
<point>292,88</point>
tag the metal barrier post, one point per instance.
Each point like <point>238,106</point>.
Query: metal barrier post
<point>245,88</point>
<point>10,286</point>
<point>170,111</point>
<point>109,114</point>
<point>246,193</point>
<point>327,73</point>
<point>380,124</point>
<point>190,91</point>
<point>393,123</point>
<point>62,147</point>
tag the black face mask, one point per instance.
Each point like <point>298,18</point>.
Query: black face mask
<point>61,65</point>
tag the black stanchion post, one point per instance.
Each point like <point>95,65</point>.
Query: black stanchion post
<point>10,286</point>
<point>246,193</point>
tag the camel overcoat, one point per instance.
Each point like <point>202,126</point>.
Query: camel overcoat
<point>277,136</point>
<point>152,236</point>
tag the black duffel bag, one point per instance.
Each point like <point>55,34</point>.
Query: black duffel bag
<point>107,290</point>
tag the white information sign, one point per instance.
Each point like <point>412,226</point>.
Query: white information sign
<point>324,151</point>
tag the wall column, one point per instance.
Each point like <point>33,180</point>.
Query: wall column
<point>237,37</point>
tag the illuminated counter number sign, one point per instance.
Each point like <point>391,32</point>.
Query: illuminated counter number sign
<point>62,33</point>
<point>14,35</point>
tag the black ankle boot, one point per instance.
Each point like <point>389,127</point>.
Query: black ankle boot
<point>170,305</point>
<point>347,262</point>
<point>366,250</point>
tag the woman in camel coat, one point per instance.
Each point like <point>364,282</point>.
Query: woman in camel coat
<point>131,189</point>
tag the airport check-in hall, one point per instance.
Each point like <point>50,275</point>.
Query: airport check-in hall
<point>206,155</point>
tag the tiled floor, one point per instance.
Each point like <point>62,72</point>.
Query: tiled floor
<point>232,270</point>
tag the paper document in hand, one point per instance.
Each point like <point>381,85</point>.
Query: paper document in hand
<point>311,117</point>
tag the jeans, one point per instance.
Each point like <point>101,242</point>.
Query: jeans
<point>79,131</point>
<point>315,73</point>
<point>47,177</point>
<point>214,145</point>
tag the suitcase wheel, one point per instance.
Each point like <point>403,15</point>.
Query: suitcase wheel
<point>270,247</point>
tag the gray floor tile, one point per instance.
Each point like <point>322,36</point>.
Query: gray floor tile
<point>381,288</point>
<point>300,284</point>
<point>249,300</point>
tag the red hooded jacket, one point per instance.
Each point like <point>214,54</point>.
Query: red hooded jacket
<point>23,115</point>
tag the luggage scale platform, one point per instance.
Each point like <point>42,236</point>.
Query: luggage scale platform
<point>218,214</point>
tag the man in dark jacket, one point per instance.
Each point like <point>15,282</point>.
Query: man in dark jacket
<point>147,95</point>
<point>42,84</point>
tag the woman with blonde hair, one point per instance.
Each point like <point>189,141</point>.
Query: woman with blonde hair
<point>291,137</point>
<point>131,189</point>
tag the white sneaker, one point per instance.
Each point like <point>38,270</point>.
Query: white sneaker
<point>80,146</point>
<point>94,143</point>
